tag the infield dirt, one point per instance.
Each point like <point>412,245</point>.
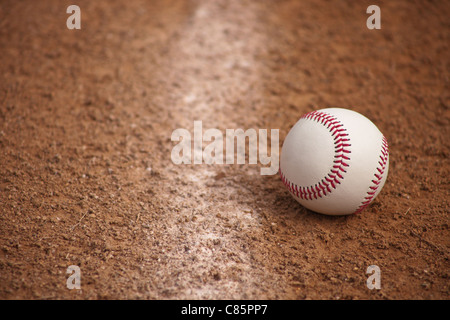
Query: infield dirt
<point>86,176</point>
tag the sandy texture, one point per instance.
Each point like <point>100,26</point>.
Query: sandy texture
<point>86,176</point>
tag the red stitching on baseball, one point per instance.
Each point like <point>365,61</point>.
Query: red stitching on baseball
<point>341,144</point>
<point>376,182</point>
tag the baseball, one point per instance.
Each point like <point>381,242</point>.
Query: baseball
<point>334,161</point>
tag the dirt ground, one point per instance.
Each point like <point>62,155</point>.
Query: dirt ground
<point>86,176</point>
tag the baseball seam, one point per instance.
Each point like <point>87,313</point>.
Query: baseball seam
<point>379,174</point>
<point>340,162</point>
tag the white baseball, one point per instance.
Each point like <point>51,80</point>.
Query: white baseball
<point>334,161</point>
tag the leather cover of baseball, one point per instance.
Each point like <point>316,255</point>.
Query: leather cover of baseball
<point>334,161</point>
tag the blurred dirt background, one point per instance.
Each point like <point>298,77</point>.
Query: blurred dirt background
<point>86,176</point>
